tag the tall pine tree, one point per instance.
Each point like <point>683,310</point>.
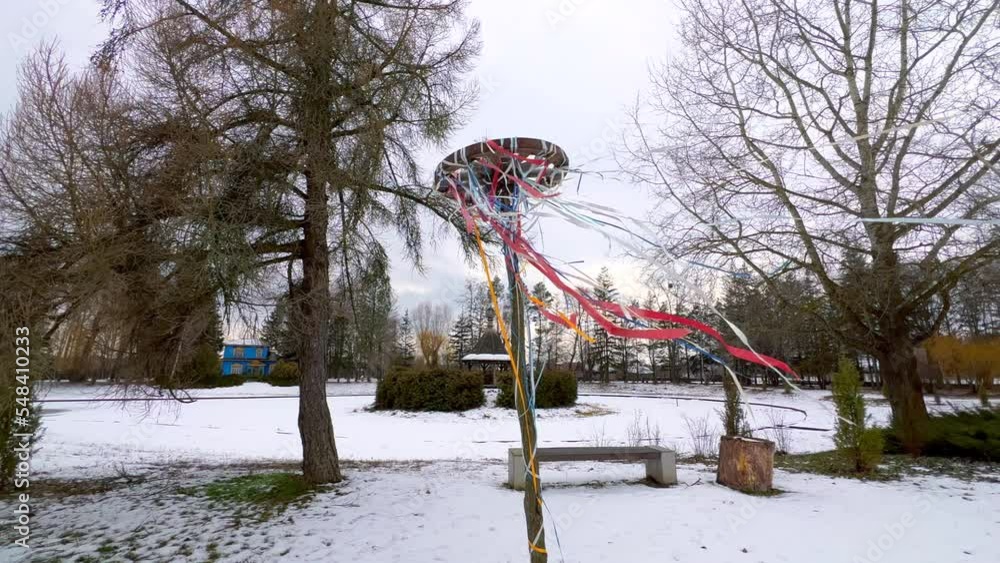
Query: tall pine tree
<point>602,350</point>
<point>406,347</point>
<point>542,327</point>
<point>460,338</point>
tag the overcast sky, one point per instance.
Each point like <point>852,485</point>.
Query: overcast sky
<point>561,70</point>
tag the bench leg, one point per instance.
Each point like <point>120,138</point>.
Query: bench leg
<point>516,470</point>
<point>664,469</point>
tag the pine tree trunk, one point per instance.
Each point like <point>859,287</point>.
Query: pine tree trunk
<point>904,390</point>
<point>320,463</point>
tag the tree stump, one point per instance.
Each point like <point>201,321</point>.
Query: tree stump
<point>746,464</point>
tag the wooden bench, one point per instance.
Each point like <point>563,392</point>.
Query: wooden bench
<point>661,463</point>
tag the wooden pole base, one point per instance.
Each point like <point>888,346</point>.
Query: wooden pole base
<point>746,464</point>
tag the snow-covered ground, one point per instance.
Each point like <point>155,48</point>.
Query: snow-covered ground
<point>459,512</point>
<point>440,496</point>
<point>98,438</point>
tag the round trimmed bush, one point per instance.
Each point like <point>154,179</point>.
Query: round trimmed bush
<point>429,389</point>
<point>556,389</point>
<point>284,374</point>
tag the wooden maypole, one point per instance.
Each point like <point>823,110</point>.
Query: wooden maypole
<point>526,417</point>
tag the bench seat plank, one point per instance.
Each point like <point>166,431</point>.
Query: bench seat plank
<point>604,453</point>
<point>661,463</point>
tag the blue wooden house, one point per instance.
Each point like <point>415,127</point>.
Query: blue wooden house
<point>248,357</point>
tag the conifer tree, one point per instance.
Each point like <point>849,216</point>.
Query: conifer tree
<point>602,351</point>
<point>406,349</point>
<point>858,445</point>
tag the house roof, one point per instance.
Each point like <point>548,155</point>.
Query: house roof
<point>245,342</point>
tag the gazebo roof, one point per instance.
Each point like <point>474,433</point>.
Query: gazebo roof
<point>489,343</point>
<point>490,348</point>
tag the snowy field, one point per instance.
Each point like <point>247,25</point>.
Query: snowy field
<point>459,512</point>
<point>98,438</point>
<point>429,487</point>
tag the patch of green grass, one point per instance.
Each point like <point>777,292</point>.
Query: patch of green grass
<point>70,536</point>
<point>768,493</point>
<point>213,552</point>
<point>588,410</point>
<point>107,548</point>
<point>696,459</point>
<point>187,491</point>
<point>260,488</point>
<point>961,469</point>
<point>61,488</point>
<point>830,463</point>
<point>891,468</point>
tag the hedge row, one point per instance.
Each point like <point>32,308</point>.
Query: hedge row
<point>556,389</point>
<point>970,434</point>
<point>429,389</point>
<point>283,374</point>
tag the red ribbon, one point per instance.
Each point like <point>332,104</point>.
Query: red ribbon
<point>594,307</point>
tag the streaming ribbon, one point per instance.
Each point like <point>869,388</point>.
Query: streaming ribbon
<point>595,309</point>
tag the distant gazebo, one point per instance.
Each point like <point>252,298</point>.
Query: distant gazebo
<point>488,354</point>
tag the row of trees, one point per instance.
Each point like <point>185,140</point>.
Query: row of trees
<point>794,325</point>
<point>779,331</point>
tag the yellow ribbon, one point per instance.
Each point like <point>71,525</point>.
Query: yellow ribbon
<point>532,464</point>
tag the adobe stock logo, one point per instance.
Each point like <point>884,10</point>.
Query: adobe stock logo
<point>564,10</point>
<point>892,533</point>
<point>31,26</point>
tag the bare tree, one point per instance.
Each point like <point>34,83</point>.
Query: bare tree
<point>432,323</point>
<point>789,131</point>
<point>93,192</point>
